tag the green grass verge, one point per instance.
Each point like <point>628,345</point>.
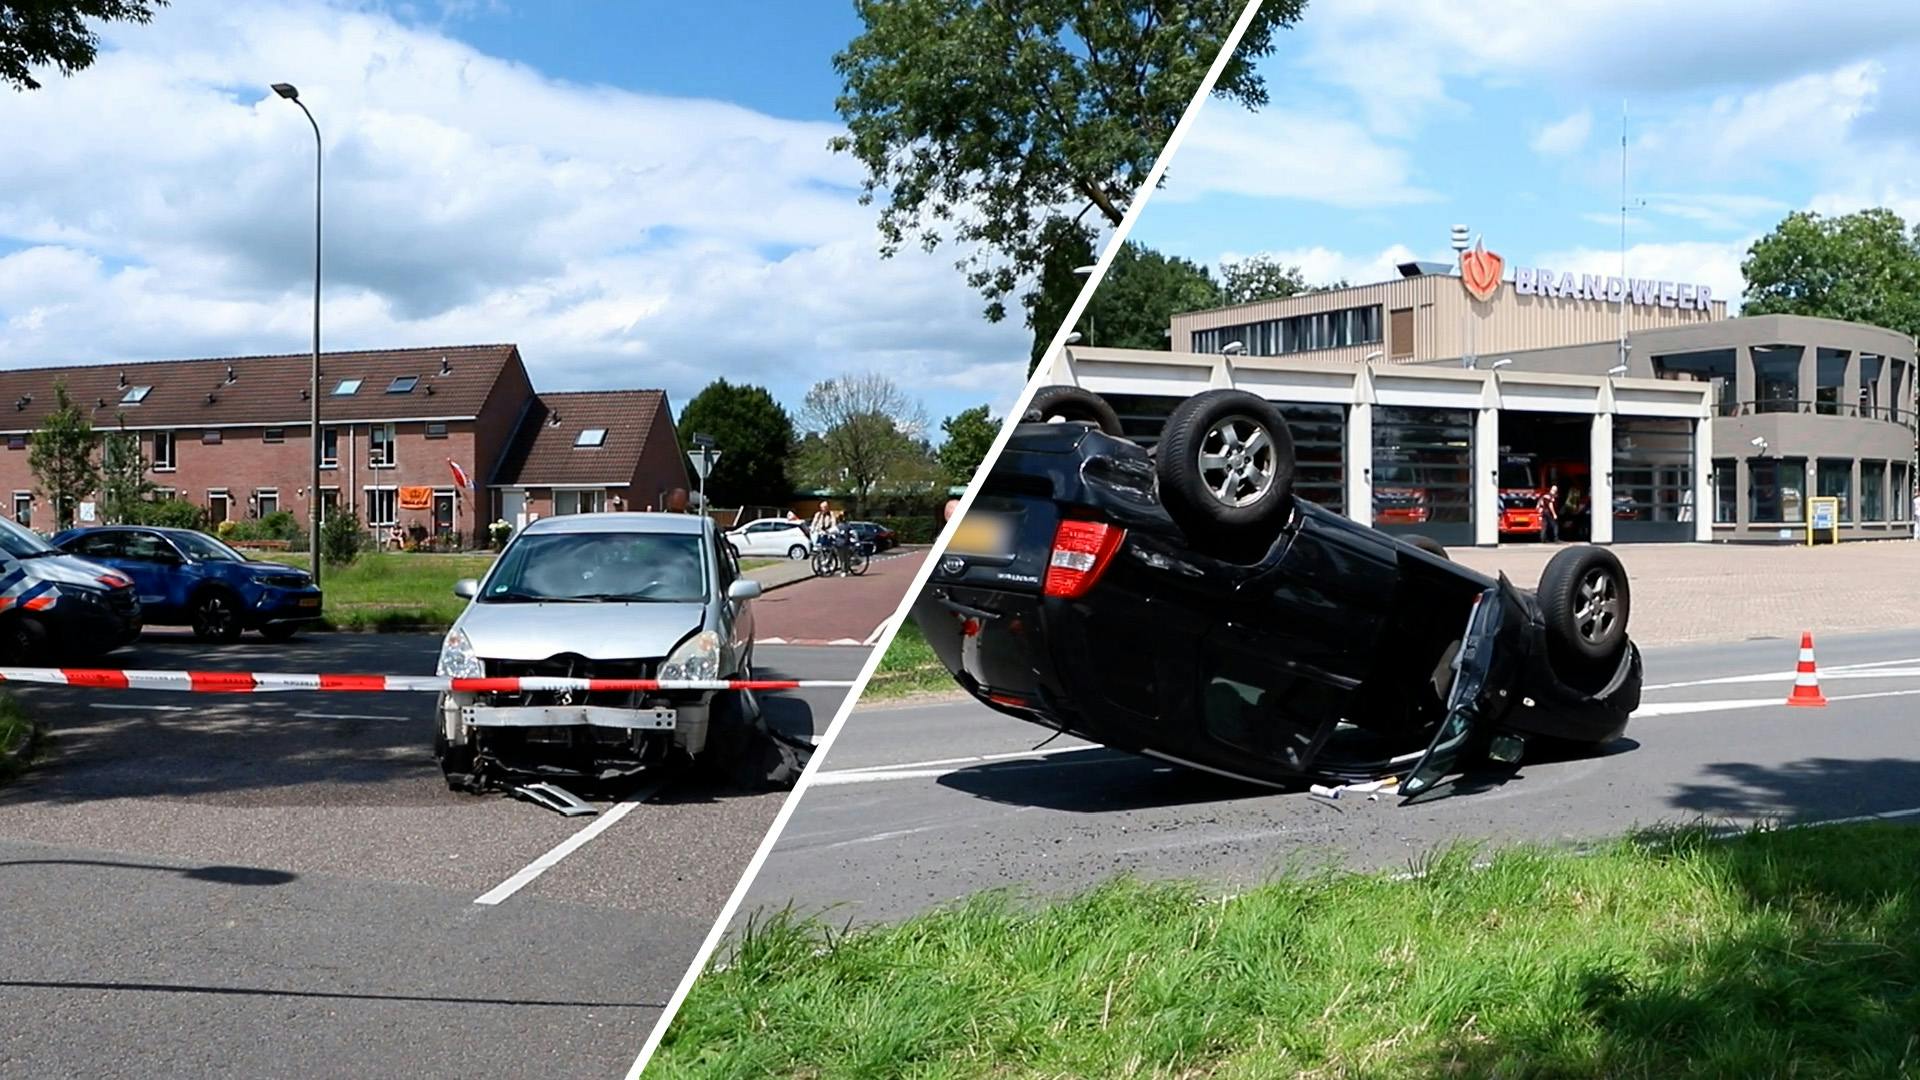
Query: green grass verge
<point>394,590</point>
<point>19,739</point>
<point>1768,954</point>
<point>909,667</point>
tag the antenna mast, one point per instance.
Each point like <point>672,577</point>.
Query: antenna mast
<point>1623,232</point>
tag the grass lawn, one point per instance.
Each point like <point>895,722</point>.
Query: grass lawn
<point>909,667</point>
<point>1779,953</point>
<point>393,590</point>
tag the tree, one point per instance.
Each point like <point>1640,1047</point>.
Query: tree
<point>1861,267</point>
<point>755,435</point>
<point>1259,277</point>
<point>61,456</point>
<point>1067,245</point>
<point>1139,297</point>
<point>124,486</point>
<point>36,32</point>
<point>970,435</point>
<point>989,123</point>
<point>863,429</point>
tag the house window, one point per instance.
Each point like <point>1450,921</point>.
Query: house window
<point>579,502</point>
<point>403,384</point>
<point>329,502</point>
<point>274,434</point>
<point>23,508</point>
<point>210,437</point>
<point>347,388</point>
<point>266,501</point>
<point>380,453</point>
<point>329,447</point>
<point>382,505</point>
<point>135,395</point>
<point>218,506</point>
<point>160,494</point>
<point>163,451</point>
<point>437,430</point>
<point>593,436</point>
<point>16,442</point>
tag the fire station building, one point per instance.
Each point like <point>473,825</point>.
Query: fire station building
<point>1445,402</point>
<point>399,430</point>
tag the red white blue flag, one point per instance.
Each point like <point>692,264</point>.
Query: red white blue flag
<point>460,477</point>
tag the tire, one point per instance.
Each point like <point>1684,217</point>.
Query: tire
<point>822,562</point>
<point>1070,403</point>
<point>797,551</point>
<point>1586,602</point>
<point>856,561</point>
<point>1429,545</point>
<point>22,641</point>
<point>216,616</point>
<point>280,631</point>
<point>456,762</point>
<point>1236,494</point>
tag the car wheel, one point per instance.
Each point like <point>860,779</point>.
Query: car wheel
<point>1429,545</point>
<point>1070,403</point>
<point>216,617</point>
<point>1585,599</point>
<point>797,551</point>
<point>22,641</point>
<point>1226,466</point>
<point>280,631</point>
<point>456,762</point>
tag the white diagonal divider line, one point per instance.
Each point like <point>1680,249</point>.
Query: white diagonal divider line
<point>1143,195</point>
<point>607,820</point>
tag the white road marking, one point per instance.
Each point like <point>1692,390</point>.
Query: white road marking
<point>348,716</point>
<point>1679,708</point>
<point>974,759</point>
<point>607,819</point>
<point>874,638</point>
<point>1788,676</point>
<point>876,773</point>
<point>143,708</point>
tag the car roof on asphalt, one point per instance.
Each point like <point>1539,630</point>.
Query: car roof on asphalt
<point>631,522</point>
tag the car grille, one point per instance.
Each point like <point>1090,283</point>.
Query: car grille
<point>286,581</point>
<point>122,600</point>
<point>570,666</point>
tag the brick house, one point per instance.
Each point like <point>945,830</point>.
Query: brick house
<point>232,435</point>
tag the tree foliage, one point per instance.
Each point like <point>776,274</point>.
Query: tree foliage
<point>61,457</point>
<point>755,436</point>
<point>124,485</point>
<point>1066,246</point>
<point>1862,267</point>
<point>862,429</point>
<point>38,32</point>
<point>1259,277</point>
<point>989,122</point>
<point>1139,297</point>
<point>970,435</point>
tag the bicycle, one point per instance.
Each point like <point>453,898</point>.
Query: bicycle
<point>834,552</point>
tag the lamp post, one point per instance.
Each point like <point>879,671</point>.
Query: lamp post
<point>288,91</point>
<point>1085,271</point>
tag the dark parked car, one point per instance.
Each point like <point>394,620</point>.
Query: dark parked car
<point>187,578</point>
<point>54,606</point>
<point>1183,603</point>
<point>875,536</point>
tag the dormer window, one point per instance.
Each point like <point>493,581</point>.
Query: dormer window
<point>593,436</point>
<point>347,388</point>
<point>135,395</point>
<point>403,384</point>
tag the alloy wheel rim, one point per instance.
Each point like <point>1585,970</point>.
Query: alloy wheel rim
<point>1237,461</point>
<point>1598,607</point>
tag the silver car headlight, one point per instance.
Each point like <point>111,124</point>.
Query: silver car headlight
<point>698,657</point>
<point>457,659</point>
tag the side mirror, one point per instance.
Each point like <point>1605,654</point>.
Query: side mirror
<point>466,588</point>
<point>744,589</point>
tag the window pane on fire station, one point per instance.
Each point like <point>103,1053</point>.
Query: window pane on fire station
<point>1776,490</point>
<point>1830,380</point>
<point>1870,365</point>
<point>1902,496</point>
<point>1873,491</point>
<point>1776,377</point>
<point>1652,478</point>
<point>1726,492</point>
<point>1836,480</point>
<point>1319,440</point>
<point>1423,471</point>
<point>1714,366</point>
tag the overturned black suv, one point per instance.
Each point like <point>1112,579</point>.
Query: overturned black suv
<point>1183,603</point>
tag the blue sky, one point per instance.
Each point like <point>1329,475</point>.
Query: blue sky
<point>1392,120</point>
<point>639,194</point>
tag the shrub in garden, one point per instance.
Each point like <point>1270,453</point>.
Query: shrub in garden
<point>341,537</point>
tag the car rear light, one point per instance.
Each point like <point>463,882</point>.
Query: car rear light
<point>1081,552</point>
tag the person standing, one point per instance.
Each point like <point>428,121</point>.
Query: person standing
<point>1550,515</point>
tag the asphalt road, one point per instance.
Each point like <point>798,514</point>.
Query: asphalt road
<point>281,884</point>
<point>918,805</point>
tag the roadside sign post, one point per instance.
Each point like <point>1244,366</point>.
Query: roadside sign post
<point>703,456</point>
<point>1824,515</point>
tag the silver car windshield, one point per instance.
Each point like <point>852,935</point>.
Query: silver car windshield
<point>584,567</point>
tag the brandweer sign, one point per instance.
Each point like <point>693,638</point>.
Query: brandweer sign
<point>1641,292</point>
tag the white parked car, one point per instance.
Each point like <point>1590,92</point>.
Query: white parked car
<point>771,537</point>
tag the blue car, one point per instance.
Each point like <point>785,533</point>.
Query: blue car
<point>187,578</point>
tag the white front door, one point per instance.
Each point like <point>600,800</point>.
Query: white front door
<point>513,508</point>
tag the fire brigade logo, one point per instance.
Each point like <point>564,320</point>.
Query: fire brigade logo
<point>1480,271</point>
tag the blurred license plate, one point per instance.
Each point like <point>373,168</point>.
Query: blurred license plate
<point>983,534</point>
<point>309,601</point>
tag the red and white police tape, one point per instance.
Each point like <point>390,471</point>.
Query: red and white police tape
<point>258,682</point>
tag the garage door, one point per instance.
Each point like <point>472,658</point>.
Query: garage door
<point>1653,490</point>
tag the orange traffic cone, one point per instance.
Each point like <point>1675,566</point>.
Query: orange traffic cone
<point>1806,680</point>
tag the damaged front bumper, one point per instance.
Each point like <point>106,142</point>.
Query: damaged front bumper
<point>592,742</point>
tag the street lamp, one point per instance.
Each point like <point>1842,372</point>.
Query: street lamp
<point>287,90</point>
<point>1500,363</point>
<point>1085,271</point>
<point>1233,348</point>
<point>1617,369</point>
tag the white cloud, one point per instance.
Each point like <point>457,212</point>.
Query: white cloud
<point>1278,153</point>
<point>1563,137</point>
<point>1323,265</point>
<point>621,238</point>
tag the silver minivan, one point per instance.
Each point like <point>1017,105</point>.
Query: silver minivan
<point>625,596</point>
